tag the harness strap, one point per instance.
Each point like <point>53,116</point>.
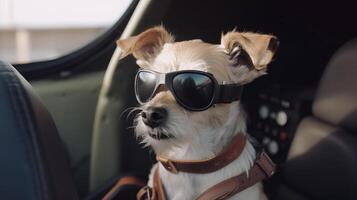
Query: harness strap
<point>127,180</point>
<point>157,192</point>
<point>262,169</point>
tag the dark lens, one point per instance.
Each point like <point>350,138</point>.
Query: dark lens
<point>145,85</point>
<point>194,90</point>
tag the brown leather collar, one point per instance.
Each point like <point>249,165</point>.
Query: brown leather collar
<point>263,168</point>
<point>226,156</point>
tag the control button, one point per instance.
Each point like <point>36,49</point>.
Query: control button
<point>273,147</point>
<point>283,136</point>
<point>266,141</point>
<point>281,118</point>
<point>285,104</point>
<point>263,112</point>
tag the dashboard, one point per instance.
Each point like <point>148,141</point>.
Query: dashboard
<point>273,117</point>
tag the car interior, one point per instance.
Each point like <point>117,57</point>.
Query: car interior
<point>66,131</point>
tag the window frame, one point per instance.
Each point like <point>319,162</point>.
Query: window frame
<point>91,57</point>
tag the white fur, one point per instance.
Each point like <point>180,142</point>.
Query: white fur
<point>198,135</point>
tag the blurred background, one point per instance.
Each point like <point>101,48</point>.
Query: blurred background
<point>46,29</point>
<point>74,41</point>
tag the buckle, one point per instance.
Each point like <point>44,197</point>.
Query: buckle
<point>169,166</point>
<point>266,164</point>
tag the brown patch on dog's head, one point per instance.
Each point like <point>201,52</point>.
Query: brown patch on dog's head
<point>146,45</point>
<point>259,47</point>
<point>250,53</point>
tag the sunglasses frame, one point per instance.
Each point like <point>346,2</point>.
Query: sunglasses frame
<point>167,80</point>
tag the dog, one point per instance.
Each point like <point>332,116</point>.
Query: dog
<point>178,133</point>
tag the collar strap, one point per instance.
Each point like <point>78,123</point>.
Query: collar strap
<point>229,93</point>
<point>225,157</point>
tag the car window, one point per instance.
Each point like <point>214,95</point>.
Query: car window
<point>39,30</point>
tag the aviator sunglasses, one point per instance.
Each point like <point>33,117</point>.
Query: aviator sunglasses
<point>193,90</point>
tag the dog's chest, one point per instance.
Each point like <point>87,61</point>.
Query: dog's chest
<point>178,187</point>
<point>189,186</point>
<point>181,186</point>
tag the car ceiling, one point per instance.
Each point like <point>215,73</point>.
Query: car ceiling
<point>309,31</point>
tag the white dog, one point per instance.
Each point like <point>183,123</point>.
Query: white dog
<point>183,130</point>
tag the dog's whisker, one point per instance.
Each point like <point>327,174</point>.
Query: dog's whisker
<point>126,110</point>
<point>137,109</point>
<point>136,112</point>
<point>131,127</point>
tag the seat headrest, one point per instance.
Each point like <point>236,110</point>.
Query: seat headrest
<point>336,99</point>
<point>33,161</point>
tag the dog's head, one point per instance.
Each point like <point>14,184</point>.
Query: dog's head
<point>240,58</point>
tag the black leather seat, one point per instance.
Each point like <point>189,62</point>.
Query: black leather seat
<point>322,161</point>
<point>33,163</point>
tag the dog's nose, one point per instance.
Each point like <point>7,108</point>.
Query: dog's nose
<point>154,116</point>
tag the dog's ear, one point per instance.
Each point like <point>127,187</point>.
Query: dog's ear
<point>250,53</point>
<point>146,45</point>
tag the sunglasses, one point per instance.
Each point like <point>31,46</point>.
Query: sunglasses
<point>193,90</point>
